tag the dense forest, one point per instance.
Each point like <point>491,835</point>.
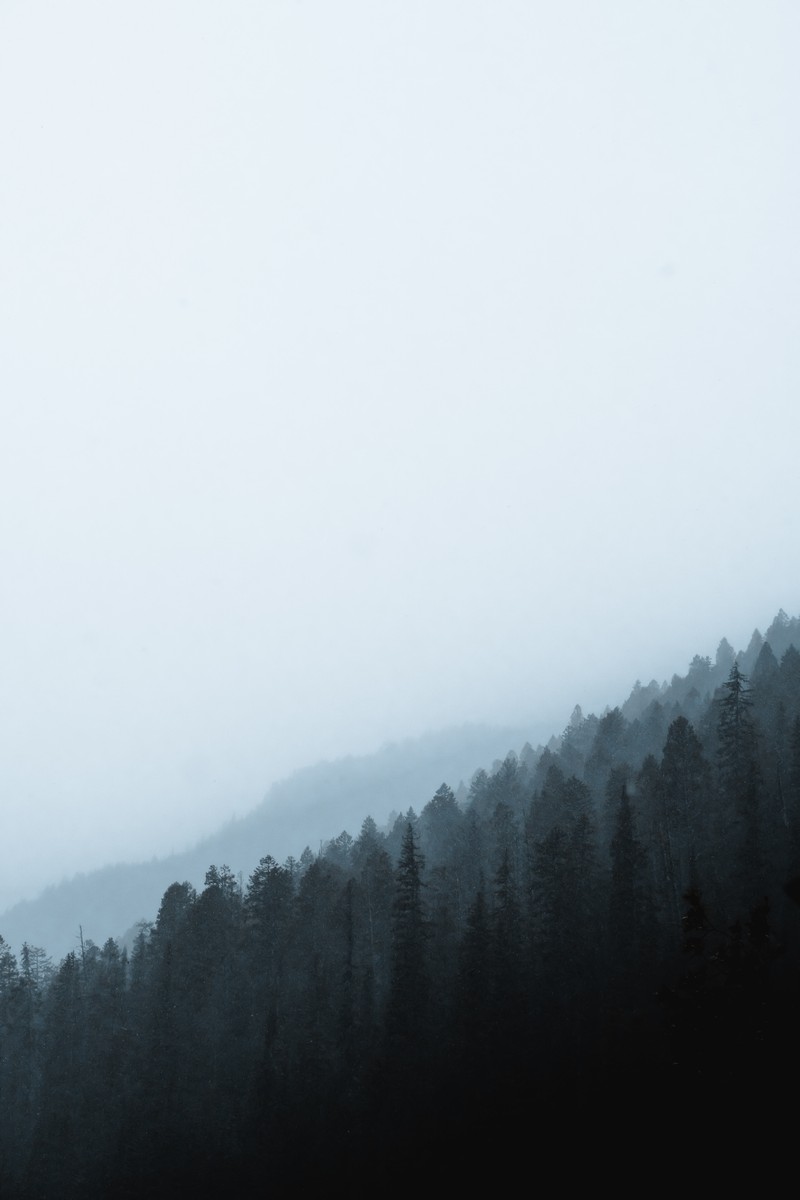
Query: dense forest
<point>600,940</point>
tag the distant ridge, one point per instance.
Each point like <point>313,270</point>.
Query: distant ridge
<point>309,807</point>
<point>315,804</point>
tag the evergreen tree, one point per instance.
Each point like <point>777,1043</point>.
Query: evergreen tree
<point>368,841</point>
<point>375,897</point>
<point>686,789</point>
<point>409,982</point>
<point>441,821</point>
<point>267,905</point>
<point>735,733</point>
<point>740,785</point>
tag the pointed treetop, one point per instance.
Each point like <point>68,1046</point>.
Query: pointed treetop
<point>725,656</point>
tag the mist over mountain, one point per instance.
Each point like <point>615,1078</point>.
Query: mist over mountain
<point>606,924</point>
<point>307,809</point>
<point>312,806</point>
<point>398,371</point>
<point>368,369</point>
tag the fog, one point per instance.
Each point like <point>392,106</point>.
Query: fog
<point>368,369</point>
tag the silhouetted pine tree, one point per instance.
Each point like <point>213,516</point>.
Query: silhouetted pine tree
<point>408,996</point>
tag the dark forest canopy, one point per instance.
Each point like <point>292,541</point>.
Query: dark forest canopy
<point>611,917</point>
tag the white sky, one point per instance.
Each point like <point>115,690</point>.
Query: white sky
<point>372,367</point>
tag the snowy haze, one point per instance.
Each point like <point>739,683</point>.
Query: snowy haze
<point>367,368</point>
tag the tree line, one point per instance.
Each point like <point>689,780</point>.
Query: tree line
<point>613,914</point>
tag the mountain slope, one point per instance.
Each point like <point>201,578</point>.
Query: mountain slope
<point>310,807</point>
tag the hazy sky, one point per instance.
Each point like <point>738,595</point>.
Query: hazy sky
<point>372,367</point>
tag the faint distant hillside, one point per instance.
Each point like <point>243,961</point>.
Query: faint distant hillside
<point>308,808</point>
<point>316,804</point>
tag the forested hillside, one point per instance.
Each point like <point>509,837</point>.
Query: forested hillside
<point>304,810</point>
<point>603,934</point>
